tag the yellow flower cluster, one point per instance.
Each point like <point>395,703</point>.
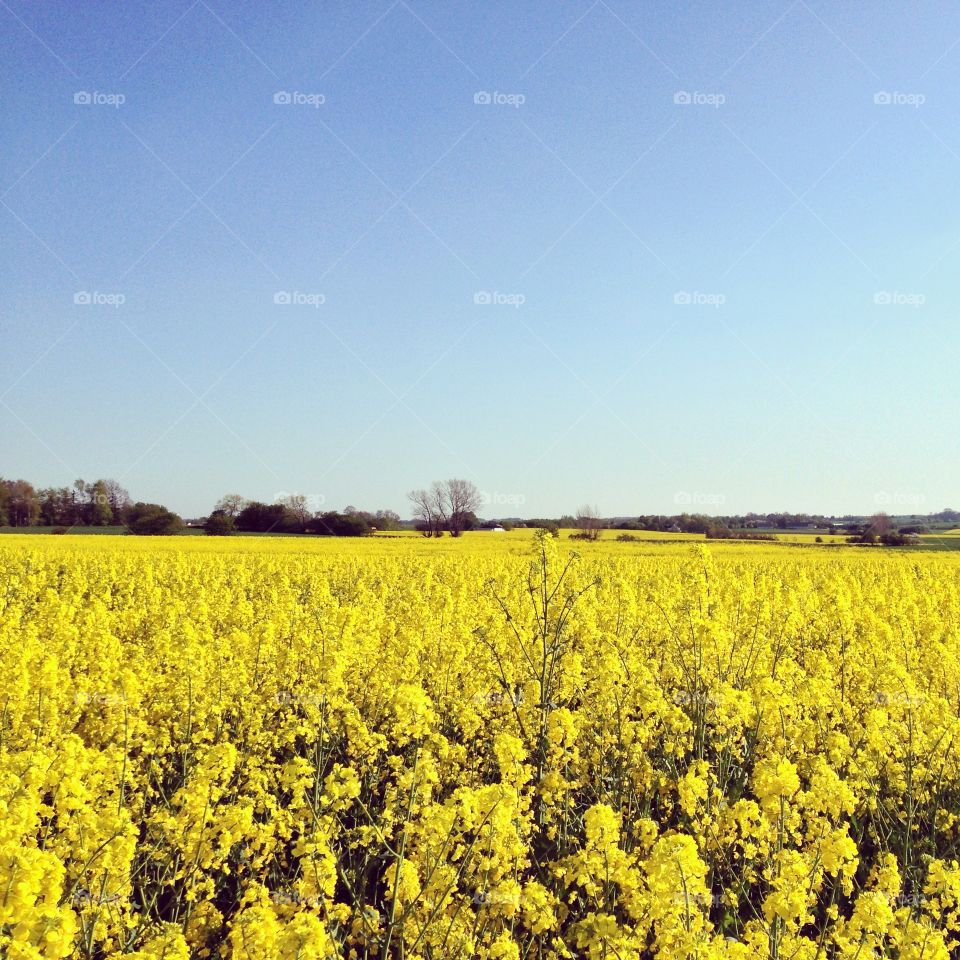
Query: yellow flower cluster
<point>267,750</point>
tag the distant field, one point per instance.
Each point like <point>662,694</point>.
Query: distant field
<point>473,543</point>
<point>644,541</point>
<point>947,540</point>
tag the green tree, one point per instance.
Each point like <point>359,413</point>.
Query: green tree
<point>386,520</point>
<point>589,523</point>
<point>258,517</point>
<point>119,500</point>
<point>101,513</point>
<point>80,501</point>
<point>55,506</point>
<point>333,524</point>
<point>22,503</point>
<point>220,524</point>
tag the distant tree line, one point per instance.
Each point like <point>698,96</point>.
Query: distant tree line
<point>293,514</point>
<point>105,503</point>
<point>448,506</point>
<point>101,503</point>
<point>878,529</point>
<point>587,521</point>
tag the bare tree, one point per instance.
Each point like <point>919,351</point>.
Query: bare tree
<point>299,508</point>
<point>231,504</point>
<point>438,501</point>
<point>462,499</point>
<point>880,523</point>
<point>588,522</point>
<point>425,511</point>
<point>447,505</point>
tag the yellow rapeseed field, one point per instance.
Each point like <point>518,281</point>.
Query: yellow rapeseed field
<point>288,749</point>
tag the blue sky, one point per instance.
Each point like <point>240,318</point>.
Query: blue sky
<point>642,255</point>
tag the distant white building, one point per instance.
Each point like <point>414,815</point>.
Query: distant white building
<point>497,530</point>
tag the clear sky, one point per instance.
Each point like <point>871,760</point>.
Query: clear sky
<point>642,255</point>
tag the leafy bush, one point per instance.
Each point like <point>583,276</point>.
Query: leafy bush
<point>219,524</point>
<point>152,519</point>
<point>333,524</point>
<point>258,517</point>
